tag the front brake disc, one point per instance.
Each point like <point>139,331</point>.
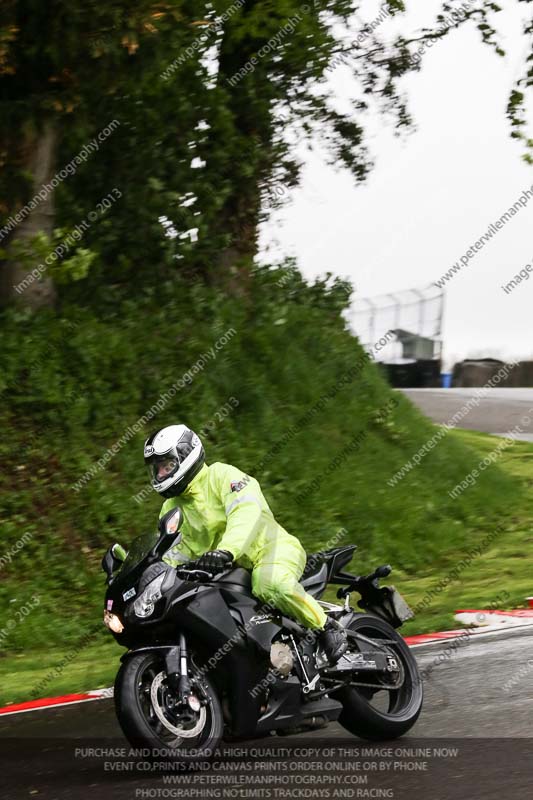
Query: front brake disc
<point>186,733</point>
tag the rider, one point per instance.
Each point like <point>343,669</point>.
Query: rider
<point>226,518</point>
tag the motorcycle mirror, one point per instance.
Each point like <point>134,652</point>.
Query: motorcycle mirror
<point>113,559</point>
<point>170,523</point>
<point>169,531</point>
<point>383,571</point>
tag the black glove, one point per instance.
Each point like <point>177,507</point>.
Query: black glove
<point>214,561</point>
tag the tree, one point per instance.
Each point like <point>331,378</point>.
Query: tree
<point>52,58</point>
<point>258,69</point>
<point>92,65</point>
<point>212,101</point>
<point>269,94</point>
<point>266,94</point>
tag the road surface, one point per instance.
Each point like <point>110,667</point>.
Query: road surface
<point>473,740</point>
<point>499,410</point>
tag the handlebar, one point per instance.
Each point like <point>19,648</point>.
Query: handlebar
<point>190,571</point>
<point>198,574</point>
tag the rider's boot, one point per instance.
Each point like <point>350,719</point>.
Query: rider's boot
<point>333,640</point>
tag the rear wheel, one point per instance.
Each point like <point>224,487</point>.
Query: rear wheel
<point>389,707</point>
<point>151,716</point>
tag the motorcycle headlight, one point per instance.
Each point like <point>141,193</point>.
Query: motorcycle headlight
<point>113,622</point>
<point>145,603</point>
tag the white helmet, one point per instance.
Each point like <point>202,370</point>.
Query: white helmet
<point>174,455</point>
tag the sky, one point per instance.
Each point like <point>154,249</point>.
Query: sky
<point>431,195</point>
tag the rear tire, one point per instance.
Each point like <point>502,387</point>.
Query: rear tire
<point>139,719</point>
<point>359,716</point>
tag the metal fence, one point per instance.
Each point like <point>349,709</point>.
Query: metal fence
<point>415,316</point>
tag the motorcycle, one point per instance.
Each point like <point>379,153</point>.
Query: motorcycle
<point>206,661</point>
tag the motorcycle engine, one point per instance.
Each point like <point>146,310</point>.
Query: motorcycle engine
<point>281,658</point>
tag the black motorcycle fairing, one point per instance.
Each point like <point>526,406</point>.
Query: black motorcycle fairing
<point>126,584</point>
<point>150,648</point>
<point>229,660</point>
<point>245,675</point>
<point>209,618</point>
<point>259,625</point>
<point>285,709</point>
<point>176,590</point>
<point>212,617</point>
<point>323,566</point>
<point>315,583</point>
<point>238,578</point>
<point>338,557</point>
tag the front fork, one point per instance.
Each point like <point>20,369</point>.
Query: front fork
<point>177,669</point>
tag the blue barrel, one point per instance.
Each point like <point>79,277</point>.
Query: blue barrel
<point>446,380</point>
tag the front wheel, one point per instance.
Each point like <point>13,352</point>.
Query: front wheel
<point>388,708</point>
<point>152,717</point>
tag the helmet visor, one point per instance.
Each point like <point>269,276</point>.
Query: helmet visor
<point>163,467</point>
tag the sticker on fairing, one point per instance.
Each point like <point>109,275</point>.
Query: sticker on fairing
<point>130,593</point>
<point>109,605</point>
<point>260,619</point>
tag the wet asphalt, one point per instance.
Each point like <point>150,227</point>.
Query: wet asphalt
<point>474,739</point>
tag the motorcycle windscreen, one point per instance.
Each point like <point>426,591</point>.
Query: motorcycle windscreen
<point>139,549</point>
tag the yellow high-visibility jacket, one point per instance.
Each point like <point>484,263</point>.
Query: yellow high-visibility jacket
<point>225,509</point>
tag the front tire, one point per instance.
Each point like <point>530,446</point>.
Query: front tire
<point>150,718</point>
<point>376,718</point>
